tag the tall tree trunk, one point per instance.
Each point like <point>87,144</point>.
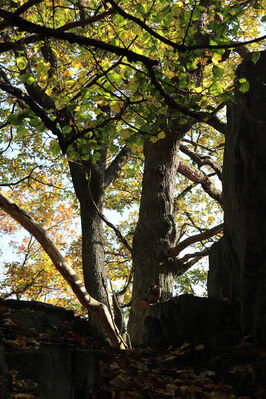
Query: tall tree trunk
<point>237,263</point>
<point>88,181</point>
<point>155,232</point>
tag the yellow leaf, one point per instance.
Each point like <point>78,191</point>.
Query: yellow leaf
<point>180,4</point>
<point>161,135</point>
<point>198,89</point>
<point>19,341</point>
<point>169,74</point>
<point>82,74</point>
<point>68,72</point>
<point>125,133</point>
<point>154,139</point>
<point>200,347</point>
<point>76,64</point>
<point>216,58</point>
<point>133,147</point>
<point>171,388</point>
<point>116,107</point>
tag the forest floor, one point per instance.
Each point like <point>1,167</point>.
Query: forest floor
<point>187,372</point>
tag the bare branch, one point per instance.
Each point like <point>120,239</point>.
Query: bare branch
<point>195,238</point>
<point>118,233</point>
<point>201,160</point>
<point>197,176</point>
<point>115,166</point>
<point>181,266</point>
<point>197,255</point>
<point>87,21</point>
<point>19,181</point>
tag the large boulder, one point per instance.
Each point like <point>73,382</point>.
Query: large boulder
<point>187,318</point>
<point>45,352</point>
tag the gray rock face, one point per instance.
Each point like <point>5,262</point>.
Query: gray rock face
<point>192,319</point>
<point>238,262</point>
<point>60,372</point>
<point>49,348</point>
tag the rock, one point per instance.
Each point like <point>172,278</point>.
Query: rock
<point>60,372</point>
<point>193,319</point>
<point>47,350</point>
<point>5,378</point>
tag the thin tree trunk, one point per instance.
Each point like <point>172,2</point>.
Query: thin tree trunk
<point>88,181</point>
<point>88,185</point>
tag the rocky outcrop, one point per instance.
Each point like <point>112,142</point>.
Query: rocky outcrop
<point>45,352</point>
<point>238,262</point>
<point>188,318</point>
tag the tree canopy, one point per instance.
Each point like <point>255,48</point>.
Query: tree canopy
<point>94,95</point>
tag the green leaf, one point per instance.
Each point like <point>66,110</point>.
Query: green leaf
<point>217,72</point>
<point>54,147</point>
<point>255,57</point>
<point>21,62</point>
<point>27,78</point>
<point>244,87</point>
<point>85,93</point>
<point>67,129</point>
<point>263,19</point>
<point>95,157</point>
<point>117,77</point>
<point>17,119</point>
<point>216,88</point>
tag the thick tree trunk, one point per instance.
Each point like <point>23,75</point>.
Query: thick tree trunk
<point>155,232</point>
<point>237,263</point>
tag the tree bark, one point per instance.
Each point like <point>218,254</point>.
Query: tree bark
<point>99,309</point>
<point>237,262</point>
<point>155,232</point>
<point>88,184</point>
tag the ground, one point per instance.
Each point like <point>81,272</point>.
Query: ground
<point>187,372</point>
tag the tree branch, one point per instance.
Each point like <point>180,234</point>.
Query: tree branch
<point>19,181</point>
<point>22,9</point>
<point>14,91</point>
<point>118,233</point>
<point>205,117</point>
<point>199,254</point>
<point>176,46</point>
<point>195,238</point>
<point>87,21</point>
<point>181,266</point>
<point>201,160</point>
<point>97,308</point>
<point>197,176</point>
<point>115,166</point>
<point>44,31</point>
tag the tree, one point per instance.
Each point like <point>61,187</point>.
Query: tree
<point>110,80</point>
